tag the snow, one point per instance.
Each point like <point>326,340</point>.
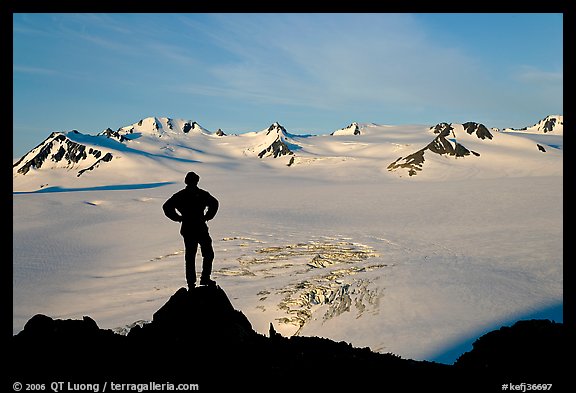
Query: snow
<point>413,265</point>
<point>352,129</point>
<point>553,124</point>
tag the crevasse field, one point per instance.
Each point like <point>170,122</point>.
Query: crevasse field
<point>333,245</point>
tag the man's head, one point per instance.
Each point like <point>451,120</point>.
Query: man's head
<point>191,179</point>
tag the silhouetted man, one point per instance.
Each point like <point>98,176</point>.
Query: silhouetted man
<point>192,207</point>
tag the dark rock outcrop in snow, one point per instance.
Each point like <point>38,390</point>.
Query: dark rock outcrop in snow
<point>278,147</point>
<point>479,129</point>
<point>412,162</point>
<point>541,148</point>
<point>198,337</point>
<point>352,129</point>
<point>114,135</point>
<point>188,126</point>
<point>550,124</point>
<point>107,158</point>
<point>58,148</point>
<point>445,143</point>
<point>159,126</point>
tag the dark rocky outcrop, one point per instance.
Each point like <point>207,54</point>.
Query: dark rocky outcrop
<point>278,147</point>
<point>444,143</point>
<point>188,126</point>
<point>443,129</point>
<point>479,129</point>
<point>530,350</point>
<point>552,123</point>
<point>198,337</point>
<point>352,129</point>
<point>541,148</point>
<point>439,145</point>
<point>549,124</point>
<point>109,133</point>
<point>107,158</point>
<point>413,162</point>
<point>57,148</point>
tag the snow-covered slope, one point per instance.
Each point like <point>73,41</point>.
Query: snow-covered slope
<point>352,129</point>
<point>77,152</point>
<point>151,150</point>
<point>157,149</point>
<point>481,150</point>
<point>273,142</point>
<point>550,124</point>
<point>67,150</point>
<point>161,126</point>
<point>547,132</point>
<point>318,234</point>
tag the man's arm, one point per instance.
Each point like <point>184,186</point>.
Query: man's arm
<point>170,211</point>
<point>212,204</point>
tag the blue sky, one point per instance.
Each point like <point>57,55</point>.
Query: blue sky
<point>313,73</point>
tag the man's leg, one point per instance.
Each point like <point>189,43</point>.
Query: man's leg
<point>207,258</point>
<point>191,247</point>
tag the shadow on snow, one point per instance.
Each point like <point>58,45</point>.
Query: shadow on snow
<point>112,187</point>
<point>452,352</point>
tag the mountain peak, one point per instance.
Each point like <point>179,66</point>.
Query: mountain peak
<point>276,127</point>
<point>68,150</point>
<point>478,129</point>
<point>155,141</point>
<point>553,124</point>
<point>276,143</point>
<point>352,129</point>
<point>160,126</point>
<point>448,142</point>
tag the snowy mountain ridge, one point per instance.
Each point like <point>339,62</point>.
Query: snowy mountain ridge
<point>276,142</point>
<point>157,147</point>
<point>352,129</point>
<point>160,126</point>
<point>67,150</point>
<point>550,124</point>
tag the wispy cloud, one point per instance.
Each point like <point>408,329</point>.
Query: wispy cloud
<point>134,36</point>
<point>71,75</point>
<point>531,74</point>
<point>300,65</point>
<point>171,52</point>
<point>33,70</point>
<point>327,60</point>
